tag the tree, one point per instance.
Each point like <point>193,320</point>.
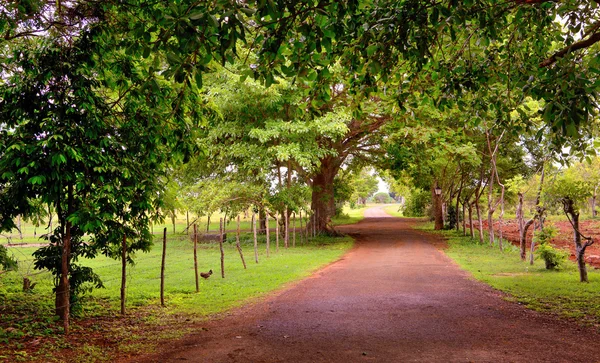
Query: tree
<point>572,194</point>
<point>91,136</point>
<point>365,184</point>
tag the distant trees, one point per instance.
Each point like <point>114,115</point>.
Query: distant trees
<point>364,185</point>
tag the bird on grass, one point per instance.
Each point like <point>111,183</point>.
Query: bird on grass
<point>206,274</point>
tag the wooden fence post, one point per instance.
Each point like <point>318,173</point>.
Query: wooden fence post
<point>196,257</point>
<point>277,233</point>
<point>123,272</point>
<point>267,232</point>
<point>301,229</point>
<point>237,242</point>
<point>286,226</point>
<point>255,238</point>
<point>294,230</point>
<point>221,228</point>
<point>162,269</point>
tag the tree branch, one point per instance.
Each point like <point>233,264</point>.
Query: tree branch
<point>586,43</point>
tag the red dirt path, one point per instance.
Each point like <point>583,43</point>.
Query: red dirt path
<point>395,297</point>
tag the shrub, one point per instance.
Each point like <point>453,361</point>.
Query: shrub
<point>553,257</point>
<point>452,218</point>
<point>417,203</point>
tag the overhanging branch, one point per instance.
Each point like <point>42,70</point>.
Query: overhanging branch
<point>582,44</point>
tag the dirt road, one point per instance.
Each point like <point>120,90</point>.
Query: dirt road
<point>394,298</point>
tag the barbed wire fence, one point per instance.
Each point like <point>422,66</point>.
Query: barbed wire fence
<point>145,266</point>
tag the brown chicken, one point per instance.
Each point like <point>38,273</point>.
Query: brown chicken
<point>206,274</point>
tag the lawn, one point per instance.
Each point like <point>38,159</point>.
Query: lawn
<point>30,332</point>
<point>558,292</point>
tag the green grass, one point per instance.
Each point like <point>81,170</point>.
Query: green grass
<point>557,292</point>
<point>350,216</point>
<point>28,316</point>
<point>393,210</point>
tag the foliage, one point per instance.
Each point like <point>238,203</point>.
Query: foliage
<point>364,185</point>
<point>553,257</point>
<point>417,203</point>
<point>452,217</point>
<point>382,197</point>
<point>7,262</point>
<point>73,140</point>
<point>567,184</point>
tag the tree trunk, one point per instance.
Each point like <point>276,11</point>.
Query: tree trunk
<point>19,227</point>
<point>470,210</point>
<point>458,195</point>
<point>521,225</point>
<point>62,302</point>
<point>323,203</point>
<point>123,273</point>
<point>573,214</point>
<point>187,221</point>
<point>262,220</point>
<point>594,202</point>
<point>173,219</point>
<point>491,210</point>
<point>479,220</point>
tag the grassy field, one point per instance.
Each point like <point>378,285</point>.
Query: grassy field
<point>557,292</point>
<point>31,333</point>
<point>393,210</point>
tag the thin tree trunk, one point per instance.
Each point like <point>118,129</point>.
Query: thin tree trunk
<point>255,237</point>
<point>237,242</point>
<point>464,220</point>
<point>470,209</point>
<point>491,211</point>
<point>479,221</point>
<point>196,258</point>
<point>294,231</point>
<point>458,195</point>
<point>267,232</point>
<point>594,214</point>
<point>573,215</point>
<point>162,268</point>
<point>532,247</point>
<point>521,225</point>
<point>221,230</point>
<point>208,223</point>
<point>173,220</point>
<point>50,218</point>
<point>19,227</point>
<point>286,235</point>
<point>276,233</point>
<point>123,273</point>
<point>187,222</point>
<point>301,228</point>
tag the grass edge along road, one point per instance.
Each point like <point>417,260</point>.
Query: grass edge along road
<point>29,332</point>
<point>556,292</point>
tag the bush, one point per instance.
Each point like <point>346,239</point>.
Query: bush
<point>417,203</point>
<point>553,257</point>
<point>6,261</point>
<point>452,217</point>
